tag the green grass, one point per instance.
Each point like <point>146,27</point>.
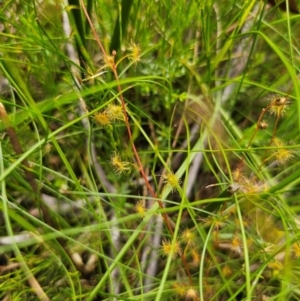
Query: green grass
<point>150,152</point>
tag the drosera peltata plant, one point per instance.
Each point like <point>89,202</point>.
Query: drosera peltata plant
<point>227,241</point>
<point>133,229</point>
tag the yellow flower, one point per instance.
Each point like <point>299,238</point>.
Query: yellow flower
<point>188,237</point>
<point>114,112</point>
<point>278,106</point>
<point>140,208</point>
<point>135,52</point>
<point>283,155</point>
<point>119,165</point>
<point>236,245</point>
<point>167,248</point>
<point>171,181</point>
<point>102,119</point>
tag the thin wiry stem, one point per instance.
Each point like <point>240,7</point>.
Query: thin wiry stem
<point>263,112</point>
<point>113,68</point>
<point>115,231</point>
<point>139,163</point>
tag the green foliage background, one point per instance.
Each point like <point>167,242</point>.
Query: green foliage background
<point>194,97</point>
